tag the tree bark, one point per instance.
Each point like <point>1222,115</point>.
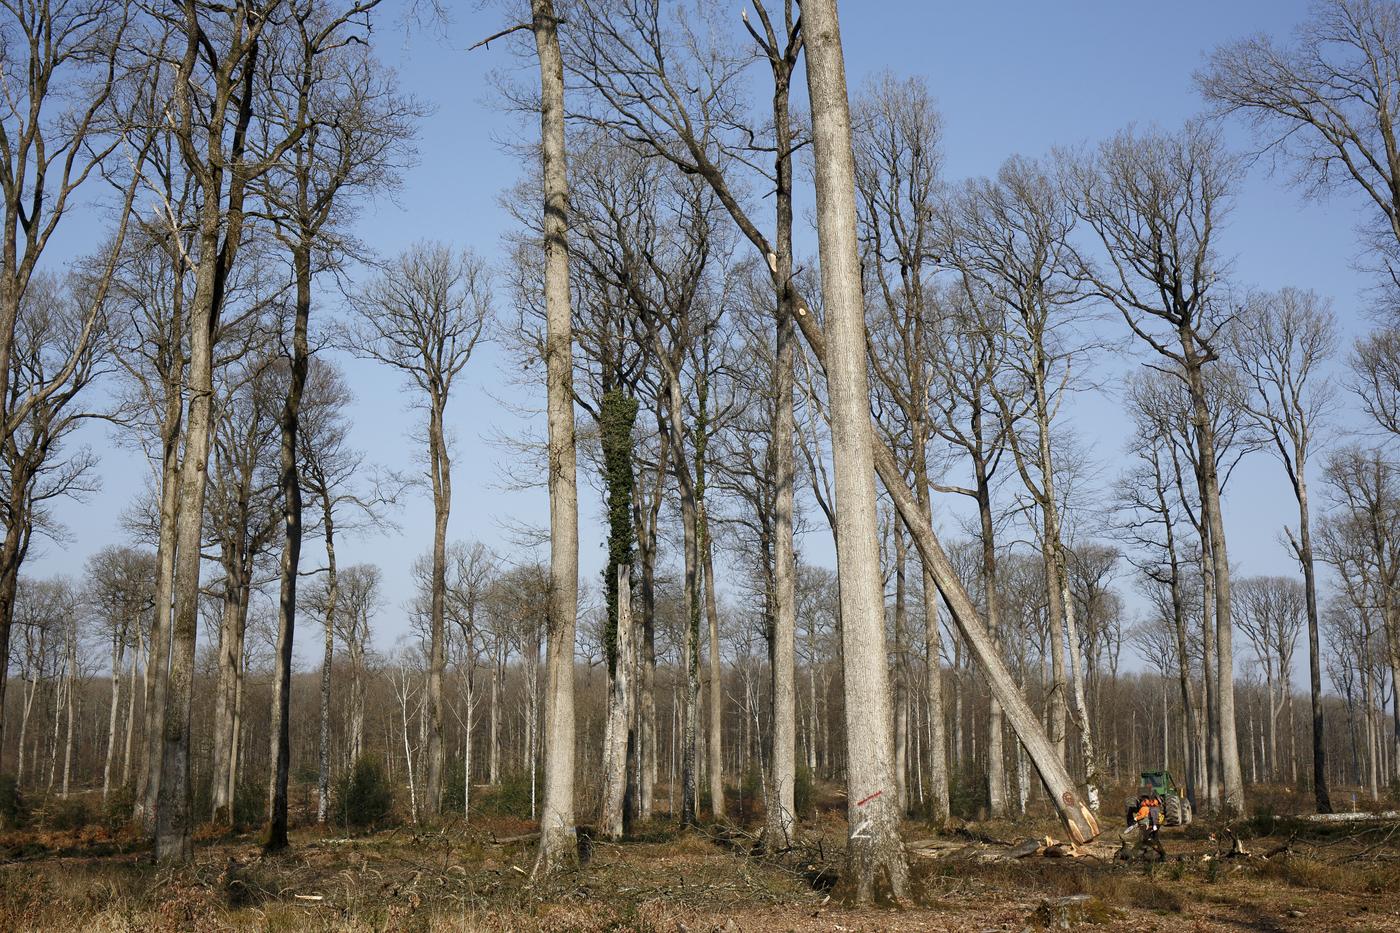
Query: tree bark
<point>875,853</point>
<point>290,481</point>
<point>323,779</point>
<point>1232,781</point>
<point>1321,794</point>
<point>615,741</point>
<point>557,838</point>
<point>715,745</point>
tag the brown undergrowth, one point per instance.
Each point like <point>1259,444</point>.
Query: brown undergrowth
<point>476,878</point>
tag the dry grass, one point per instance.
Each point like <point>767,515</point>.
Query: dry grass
<point>462,879</point>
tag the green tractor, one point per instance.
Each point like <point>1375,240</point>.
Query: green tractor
<point>1176,808</point>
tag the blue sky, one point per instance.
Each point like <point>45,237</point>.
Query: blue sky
<point>1010,77</point>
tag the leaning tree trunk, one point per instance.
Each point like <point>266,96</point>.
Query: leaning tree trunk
<point>1079,823</point>
<point>875,852</point>
<point>557,833</point>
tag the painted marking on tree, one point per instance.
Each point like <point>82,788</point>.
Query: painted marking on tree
<point>861,803</point>
<point>860,832</point>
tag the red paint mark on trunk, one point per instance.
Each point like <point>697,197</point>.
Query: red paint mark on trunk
<point>861,803</point>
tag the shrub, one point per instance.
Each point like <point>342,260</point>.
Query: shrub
<point>121,803</point>
<point>249,803</point>
<point>452,787</point>
<point>511,797</point>
<point>66,813</point>
<point>13,812</point>
<point>804,793</point>
<point>967,795</point>
<point>751,789</point>
<point>362,796</point>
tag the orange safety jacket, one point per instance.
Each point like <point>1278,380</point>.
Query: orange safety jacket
<point>1145,805</point>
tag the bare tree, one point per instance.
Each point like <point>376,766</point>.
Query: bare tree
<point>240,507</point>
<point>1324,101</point>
<point>1281,342</point>
<point>120,587</point>
<point>422,316</point>
<point>1156,201</point>
<point>212,102</point>
<point>1010,235</point>
<point>1362,540</point>
<point>347,496</point>
<point>35,469</point>
<point>631,55</point>
<point>345,120</point>
<point>1375,367</point>
<point>1272,611</point>
<point>62,123</point>
<point>557,840</point>
<point>874,849</point>
<point>897,179</point>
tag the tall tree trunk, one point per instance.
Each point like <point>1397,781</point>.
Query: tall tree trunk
<point>647,735</point>
<point>173,816</point>
<point>780,820</point>
<point>1059,708</point>
<point>130,711</point>
<point>158,658</point>
<point>996,759</point>
<point>1232,781</point>
<point>70,702</point>
<point>230,653</point>
<point>557,837</point>
<point>898,670</point>
<point>113,714</point>
<point>939,804</point>
<point>1321,794</point>
<point>715,745</point>
<point>441,466</point>
<point>497,689</point>
<point>875,852</point>
<point>615,739</point>
<point>690,654</point>
<point>323,778</point>
<point>290,479</point>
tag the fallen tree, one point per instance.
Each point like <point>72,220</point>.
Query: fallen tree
<point>1079,822</point>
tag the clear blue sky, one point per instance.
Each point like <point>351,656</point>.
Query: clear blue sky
<point>1010,77</point>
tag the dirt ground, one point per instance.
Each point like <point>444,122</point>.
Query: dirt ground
<point>1296,877</point>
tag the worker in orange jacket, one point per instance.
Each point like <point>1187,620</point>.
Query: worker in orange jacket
<point>1149,808</point>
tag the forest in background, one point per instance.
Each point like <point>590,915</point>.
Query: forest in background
<point>722,398</point>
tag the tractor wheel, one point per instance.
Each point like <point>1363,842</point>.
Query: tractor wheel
<point>1171,807</point>
<point>1186,814</point>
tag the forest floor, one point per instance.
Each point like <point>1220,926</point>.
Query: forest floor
<point>1296,877</point>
